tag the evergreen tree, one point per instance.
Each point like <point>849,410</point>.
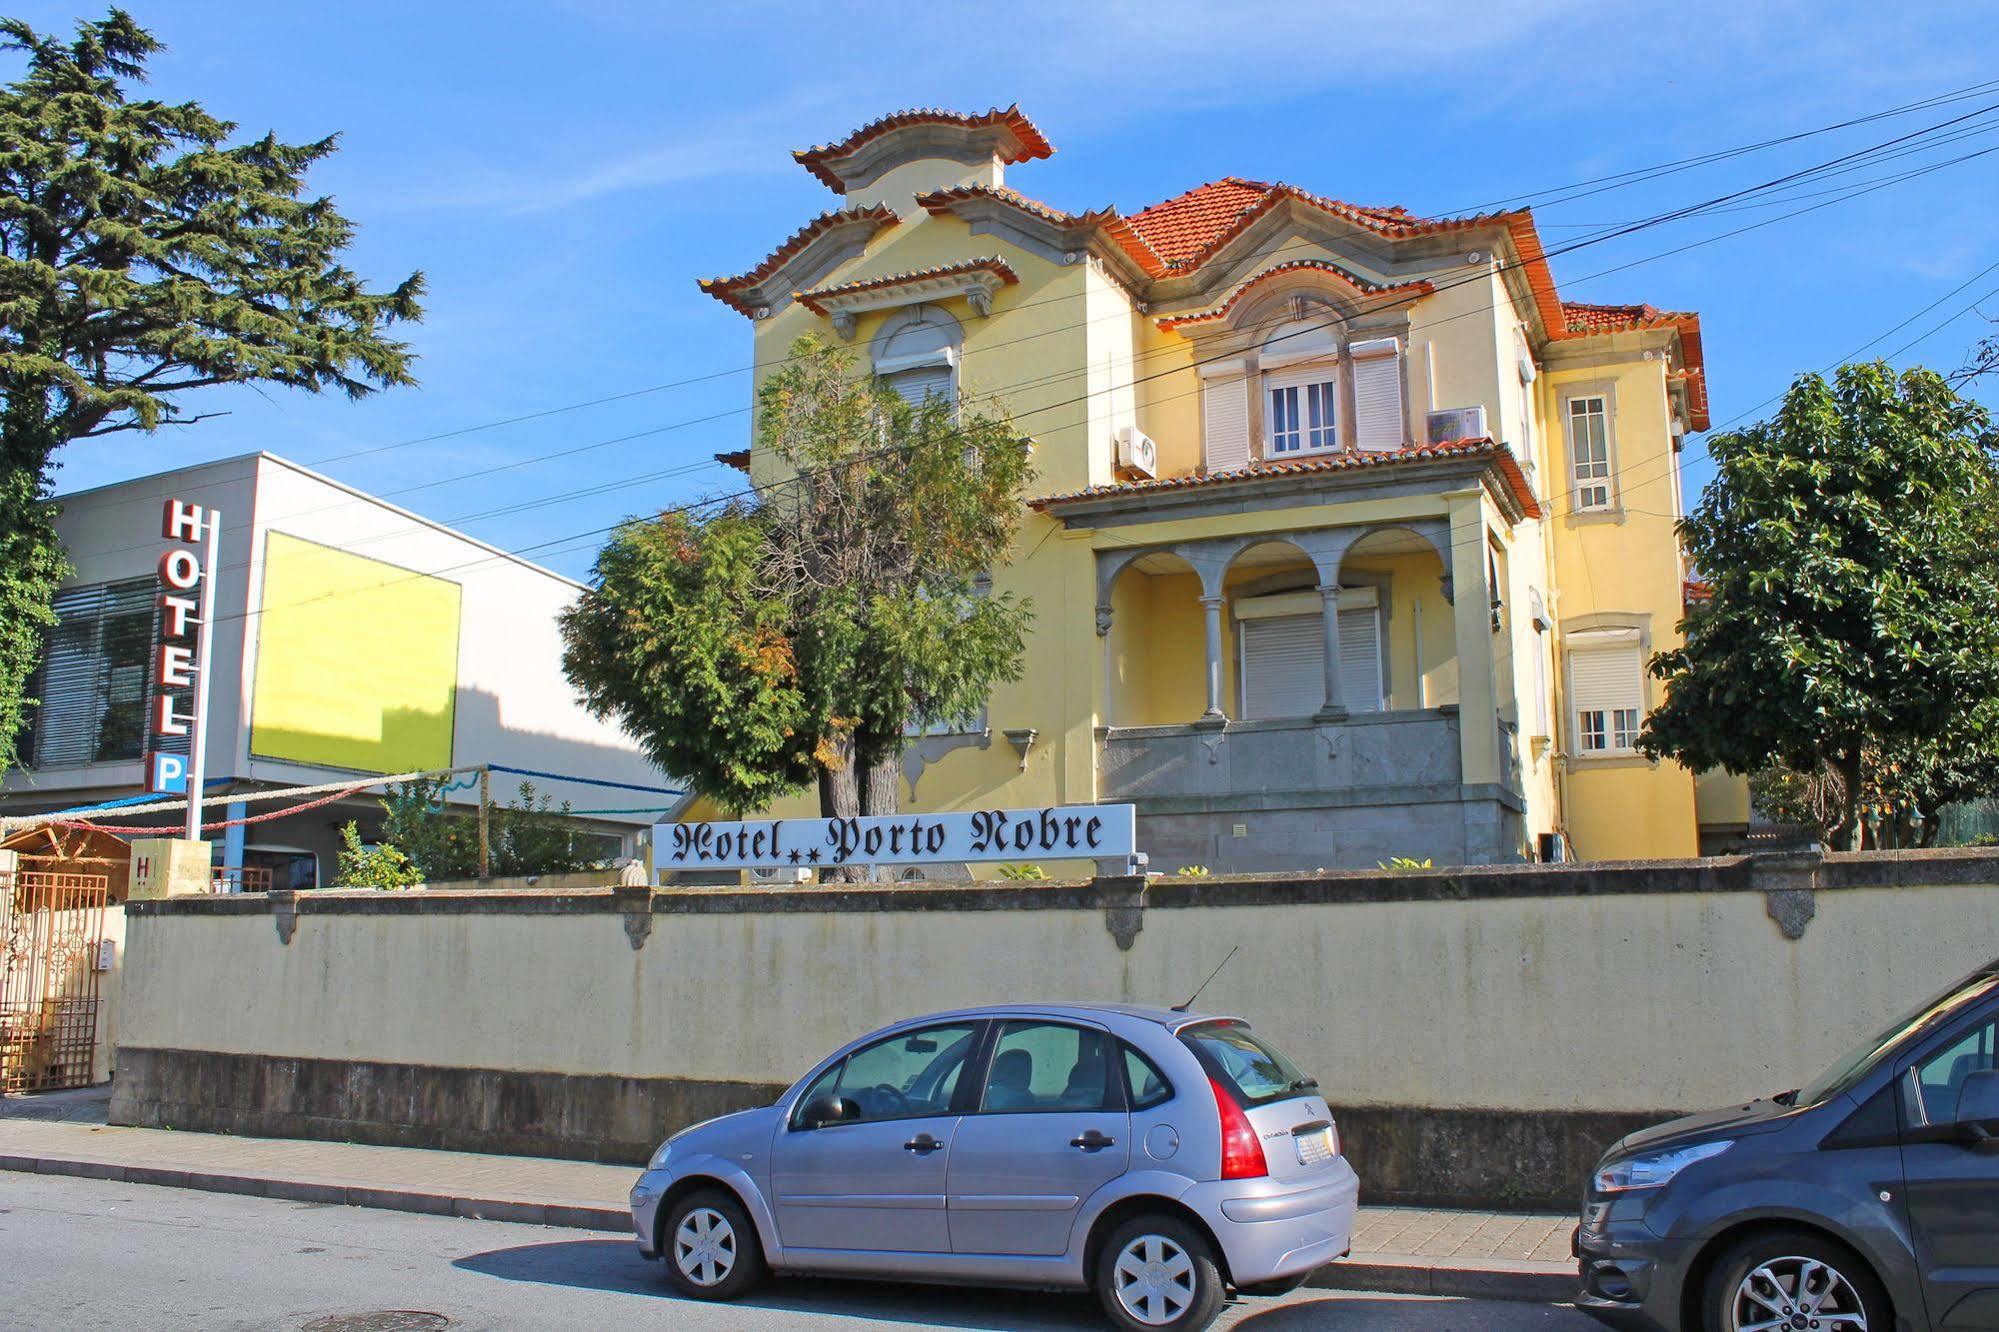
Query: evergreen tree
<point>143,257</point>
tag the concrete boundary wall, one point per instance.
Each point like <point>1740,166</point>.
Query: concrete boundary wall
<point>1483,1034</point>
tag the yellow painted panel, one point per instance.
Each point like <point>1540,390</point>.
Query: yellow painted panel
<point>357,661</point>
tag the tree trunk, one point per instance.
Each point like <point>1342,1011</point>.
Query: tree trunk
<point>1851,828</point>
<point>881,786</point>
<point>839,798</point>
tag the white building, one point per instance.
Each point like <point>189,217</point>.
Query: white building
<point>353,638</point>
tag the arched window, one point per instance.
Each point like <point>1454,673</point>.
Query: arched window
<point>917,353</point>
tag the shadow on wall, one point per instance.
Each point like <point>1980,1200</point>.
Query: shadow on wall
<point>480,734</point>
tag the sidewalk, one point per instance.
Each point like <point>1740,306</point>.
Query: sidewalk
<point>1404,1250</point>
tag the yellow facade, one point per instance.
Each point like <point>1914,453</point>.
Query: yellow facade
<point>327,692</point>
<point>1469,574</point>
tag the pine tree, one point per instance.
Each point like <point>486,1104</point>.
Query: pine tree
<point>142,257</point>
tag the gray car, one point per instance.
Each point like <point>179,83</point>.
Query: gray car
<point>1156,1157</point>
<point>1864,1202</point>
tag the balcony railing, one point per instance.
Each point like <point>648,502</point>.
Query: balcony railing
<point>1369,758</point>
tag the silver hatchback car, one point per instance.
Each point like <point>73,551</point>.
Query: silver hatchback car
<point>1157,1157</point>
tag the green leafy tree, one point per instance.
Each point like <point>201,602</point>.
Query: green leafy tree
<point>801,637</point>
<point>143,257</point>
<point>1852,543</point>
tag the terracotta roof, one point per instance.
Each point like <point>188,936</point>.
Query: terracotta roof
<point>1115,226</point>
<point>1582,319</point>
<point>1186,229</point>
<point>997,267</point>
<point>1032,144</point>
<point>1355,280</point>
<point>1486,447</point>
<point>724,289</point>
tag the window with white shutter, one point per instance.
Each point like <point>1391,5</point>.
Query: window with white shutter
<point>1606,690</point>
<point>1225,418</point>
<point>1283,655</point>
<point>1377,391</point>
<point>95,678</point>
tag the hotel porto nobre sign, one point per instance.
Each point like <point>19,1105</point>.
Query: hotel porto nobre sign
<point>1079,832</point>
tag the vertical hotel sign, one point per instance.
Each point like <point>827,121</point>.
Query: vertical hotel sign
<point>180,676</point>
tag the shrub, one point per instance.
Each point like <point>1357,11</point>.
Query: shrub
<point>1021,873</point>
<point>379,866</point>
<point>1404,864</point>
<point>1191,872</point>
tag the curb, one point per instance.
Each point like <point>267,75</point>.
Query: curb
<point>1489,1279</point>
<point>573,1216</point>
<point>1393,1274</point>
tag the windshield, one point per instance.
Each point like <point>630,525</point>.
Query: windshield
<point>1245,1064</point>
<point>1854,1066</point>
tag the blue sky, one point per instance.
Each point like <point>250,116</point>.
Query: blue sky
<point>563,172</point>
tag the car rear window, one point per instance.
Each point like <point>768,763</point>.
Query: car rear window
<point>1244,1063</point>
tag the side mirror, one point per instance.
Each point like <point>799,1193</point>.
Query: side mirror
<point>822,1110</point>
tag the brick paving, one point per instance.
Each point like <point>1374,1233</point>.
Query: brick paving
<point>1403,1249</point>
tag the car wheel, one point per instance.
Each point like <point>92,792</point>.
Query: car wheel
<point>1155,1272</point>
<point>710,1246</point>
<point>1792,1279</point>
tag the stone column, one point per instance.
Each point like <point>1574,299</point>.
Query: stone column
<point>1214,716</point>
<point>1335,707</point>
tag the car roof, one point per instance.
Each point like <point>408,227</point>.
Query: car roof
<point>1165,1017</point>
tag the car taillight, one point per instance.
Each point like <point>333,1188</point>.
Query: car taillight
<point>1242,1154</point>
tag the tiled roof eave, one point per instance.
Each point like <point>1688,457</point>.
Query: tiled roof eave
<point>998,269</point>
<point>728,290</point>
<point>1496,456</point>
<point>1219,313</point>
<point>820,159</point>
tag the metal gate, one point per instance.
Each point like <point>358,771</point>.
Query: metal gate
<point>51,932</point>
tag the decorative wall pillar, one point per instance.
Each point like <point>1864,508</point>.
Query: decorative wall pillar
<point>1471,619</point>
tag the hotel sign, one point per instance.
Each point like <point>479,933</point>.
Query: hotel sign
<point>1064,832</point>
<point>180,672</point>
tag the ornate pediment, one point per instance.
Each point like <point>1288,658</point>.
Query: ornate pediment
<point>975,279</point>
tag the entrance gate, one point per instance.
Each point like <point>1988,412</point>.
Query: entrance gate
<point>51,932</point>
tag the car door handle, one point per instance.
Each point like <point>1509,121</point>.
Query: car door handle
<point>1091,1140</point>
<point>922,1144</point>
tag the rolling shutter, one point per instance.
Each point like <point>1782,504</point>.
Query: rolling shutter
<point>1606,674</point>
<point>1284,664</point>
<point>94,680</point>
<point>1283,667</point>
<point>1377,391</point>
<point>1225,421</point>
<point>1360,660</point>
<point>920,382</point>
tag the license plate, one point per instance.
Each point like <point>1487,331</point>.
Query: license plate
<point>1314,1148</point>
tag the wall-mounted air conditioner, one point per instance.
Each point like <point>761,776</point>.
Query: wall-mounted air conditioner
<point>1136,452</point>
<point>1455,423</point>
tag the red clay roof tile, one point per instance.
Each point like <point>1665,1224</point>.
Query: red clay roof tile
<point>724,289</point>
<point>1031,143</point>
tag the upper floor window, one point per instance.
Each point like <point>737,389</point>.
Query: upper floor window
<point>94,680</point>
<point>1302,411</point>
<point>1301,389</point>
<point>1589,449</point>
<point>917,354</point>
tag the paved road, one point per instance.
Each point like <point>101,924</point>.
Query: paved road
<point>93,1253</point>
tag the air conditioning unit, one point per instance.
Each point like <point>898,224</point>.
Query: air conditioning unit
<point>1455,423</point>
<point>1136,452</point>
